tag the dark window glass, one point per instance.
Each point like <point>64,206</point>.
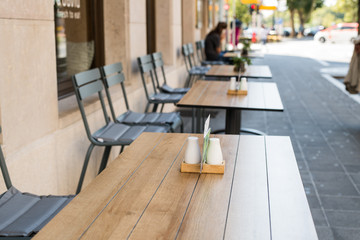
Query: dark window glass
<point>77,30</point>
<point>343,28</point>
<point>150,26</point>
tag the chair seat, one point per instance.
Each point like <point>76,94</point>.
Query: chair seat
<point>167,89</point>
<point>149,118</point>
<point>165,98</point>
<point>117,132</point>
<point>24,214</point>
<point>198,71</point>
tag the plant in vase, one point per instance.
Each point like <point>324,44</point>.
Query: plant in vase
<point>239,63</point>
<point>246,48</point>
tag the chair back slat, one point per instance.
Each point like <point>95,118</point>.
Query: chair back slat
<point>112,68</point>
<point>87,76</point>
<point>146,67</point>
<point>156,56</point>
<point>199,51</point>
<point>114,79</point>
<point>90,89</point>
<point>158,63</point>
<point>4,170</point>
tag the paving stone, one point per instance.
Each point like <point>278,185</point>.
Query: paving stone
<point>340,203</point>
<point>346,234</point>
<point>349,219</point>
<point>318,217</point>
<point>324,233</point>
<point>337,184</point>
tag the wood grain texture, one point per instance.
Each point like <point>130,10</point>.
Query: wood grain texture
<point>119,217</point>
<point>252,71</point>
<point>213,94</point>
<point>206,215</point>
<point>290,212</point>
<point>195,168</point>
<point>72,221</point>
<point>248,216</point>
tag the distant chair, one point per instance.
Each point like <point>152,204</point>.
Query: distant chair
<point>147,69</point>
<point>87,84</point>
<point>113,74</point>
<point>200,46</point>
<point>195,72</point>
<point>25,214</point>
<point>159,63</point>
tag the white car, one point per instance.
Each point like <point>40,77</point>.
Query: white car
<point>342,32</point>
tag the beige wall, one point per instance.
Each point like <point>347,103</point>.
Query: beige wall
<point>44,139</point>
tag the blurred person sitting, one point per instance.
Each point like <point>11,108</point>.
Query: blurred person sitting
<point>212,42</point>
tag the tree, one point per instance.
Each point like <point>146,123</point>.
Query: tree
<point>292,6</point>
<point>349,8</point>
<point>304,9</point>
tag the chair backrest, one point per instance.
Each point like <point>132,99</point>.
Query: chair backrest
<point>158,63</point>
<point>4,170</point>
<point>200,46</point>
<point>111,75</point>
<point>87,84</point>
<point>146,66</point>
<point>186,54</point>
<point>191,55</point>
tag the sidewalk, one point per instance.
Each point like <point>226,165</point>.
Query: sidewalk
<point>324,126</point>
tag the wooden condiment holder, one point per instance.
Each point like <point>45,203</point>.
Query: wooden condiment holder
<point>237,92</point>
<point>207,168</point>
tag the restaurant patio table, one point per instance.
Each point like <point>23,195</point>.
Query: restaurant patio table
<point>262,96</point>
<point>143,195</point>
<point>251,54</point>
<point>252,71</point>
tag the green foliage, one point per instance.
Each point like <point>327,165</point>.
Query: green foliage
<point>246,44</point>
<point>242,11</point>
<point>349,8</point>
<point>239,60</point>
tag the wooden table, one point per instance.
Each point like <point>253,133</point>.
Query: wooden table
<point>263,96</point>
<point>143,195</point>
<point>251,54</point>
<point>252,71</point>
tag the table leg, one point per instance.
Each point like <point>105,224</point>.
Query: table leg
<point>198,120</point>
<point>233,121</point>
<point>193,120</point>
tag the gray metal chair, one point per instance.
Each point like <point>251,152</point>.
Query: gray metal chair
<point>24,214</point>
<point>113,74</point>
<point>87,84</point>
<point>194,72</point>
<point>200,46</point>
<point>159,63</point>
<point>147,68</point>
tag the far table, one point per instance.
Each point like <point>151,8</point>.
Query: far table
<point>252,71</point>
<point>251,54</point>
<point>262,96</point>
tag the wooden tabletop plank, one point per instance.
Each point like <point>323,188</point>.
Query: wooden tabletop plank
<point>71,222</point>
<point>206,215</point>
<point>164,214</point>
<point>122,213</point>
<point>255,96</point>
<point>248,216</point>
<point>289,209</point>
<point>272,96</point>
<point>252,71</point>
<point>195,92</point>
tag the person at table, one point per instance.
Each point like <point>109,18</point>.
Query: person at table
<point>213,42</point>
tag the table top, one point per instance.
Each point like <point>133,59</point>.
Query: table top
<point>213,94</point>
<point>252,71</point>
<point>143,195</point>
<point>251,54</point>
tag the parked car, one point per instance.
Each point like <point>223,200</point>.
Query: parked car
<point>312,31</point>
<point>341,32</point>
<point>287,31</point>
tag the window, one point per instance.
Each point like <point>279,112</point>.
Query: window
<point>199,15</point>
<point>150,26</point>
<point>79,40</point>
<point>210,13</point>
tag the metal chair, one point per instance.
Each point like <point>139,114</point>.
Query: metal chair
<point>113,74</point>
<point>194,72</point>
<point>147,68</point>
<point>87,84</point>
<point>159,63</point>
<point>200,46</point>
<point>24,214</point>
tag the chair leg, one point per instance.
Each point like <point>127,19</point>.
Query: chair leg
<point>182,126</point>
<point>155,107</point>
<point>83,171</point>
<point>187,81</point>
<point>122,149</point>
<point>147,107</point>
<point>104,159</point>
<point>162,107</point>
